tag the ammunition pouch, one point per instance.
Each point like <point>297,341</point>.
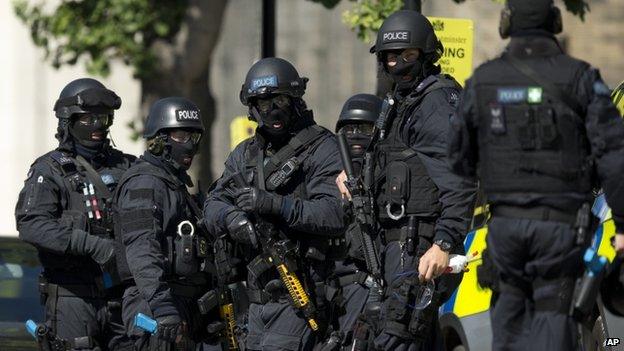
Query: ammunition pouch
<point>404,321</point>
<point>224,263</point>
<point>208,302</point>
<point>397,189</point>
<point>187,289</point>
<point>397,314</point>
<point>189,251</point>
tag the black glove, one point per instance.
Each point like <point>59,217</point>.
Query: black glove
<point>240,228</point>
<point>101,250</point>
<point>170,328</point>
<point>254,200</point>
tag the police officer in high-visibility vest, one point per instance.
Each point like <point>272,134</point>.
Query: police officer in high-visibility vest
<point>540,130</point>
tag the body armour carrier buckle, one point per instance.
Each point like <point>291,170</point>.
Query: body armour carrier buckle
<point>392,214</point>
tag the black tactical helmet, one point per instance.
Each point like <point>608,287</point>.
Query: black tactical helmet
<point>360,108</point>
<point>172,112</point>
<point>521,15</point>
<point>85,95</point>
<point>272,75</point>
<point>407,29</point>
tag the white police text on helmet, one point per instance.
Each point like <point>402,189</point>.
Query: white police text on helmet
<point>396,36</point>
<point>263,82</point>
<point>187,115</point>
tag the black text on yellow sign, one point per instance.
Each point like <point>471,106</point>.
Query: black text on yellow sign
<point>457,37</point>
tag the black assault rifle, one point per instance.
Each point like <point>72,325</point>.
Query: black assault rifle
<point>362,210</point>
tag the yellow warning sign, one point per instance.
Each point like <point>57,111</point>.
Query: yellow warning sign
<point>457,36</point>
<point>241,128</point>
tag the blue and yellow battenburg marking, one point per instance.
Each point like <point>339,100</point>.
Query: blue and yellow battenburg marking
<point>469,298</point>
<point>618,97</point>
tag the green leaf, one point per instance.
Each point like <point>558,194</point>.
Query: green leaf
<point>101,30</point>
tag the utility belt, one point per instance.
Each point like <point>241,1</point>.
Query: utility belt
<point>71,290</point>
<point>537,213</point>
<point>359,277</point>
<point>416,233</point>
<point>50,292</point>
<point>275,290</point>
<point>93,291</point>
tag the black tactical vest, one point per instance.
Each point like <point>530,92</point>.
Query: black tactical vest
<point>403,186</point>
<point>84,207</point>
<point>186,255</point>
<point>529,141</point>
<point>302,145</point>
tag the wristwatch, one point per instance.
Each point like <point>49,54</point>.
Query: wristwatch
<point>444,245</point>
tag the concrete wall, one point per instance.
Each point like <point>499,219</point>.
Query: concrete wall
<point>28,89</point>
<point>314,38</point>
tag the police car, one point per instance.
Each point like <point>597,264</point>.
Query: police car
<point>19,297</point>
<point>465,319</point>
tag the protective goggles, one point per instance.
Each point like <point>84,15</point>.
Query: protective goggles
<point>407,56</point>
<point>183,136</point>
<point>264,104</point>
<point>90,119</point>
<point>363,129</point>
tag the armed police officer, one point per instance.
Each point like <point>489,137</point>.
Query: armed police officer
<point>423,209</point>
<point>65,211</point>
<point>360,271</point>
<point>539,129</point>
<point>277,194</point>
<point>158,222</point>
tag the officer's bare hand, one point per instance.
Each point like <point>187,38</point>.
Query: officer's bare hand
<point>619,244</point>
<point>433,263</point>
<point>340,182</point>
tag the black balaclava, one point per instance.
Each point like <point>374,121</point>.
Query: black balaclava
<point>276,124</point>
<point>86,140</point>
<point>180,155</point>
<point>358,143</point>
<point>401,69</point>
<point>419,70</point>
<point>85,135</point>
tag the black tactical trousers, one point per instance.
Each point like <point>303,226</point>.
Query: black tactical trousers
<point>134,303</point>
<point>276,326</point>
<point>536,261</point>
<point>72,317</point>
<point>355,297</point>
<point>398,265</point>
